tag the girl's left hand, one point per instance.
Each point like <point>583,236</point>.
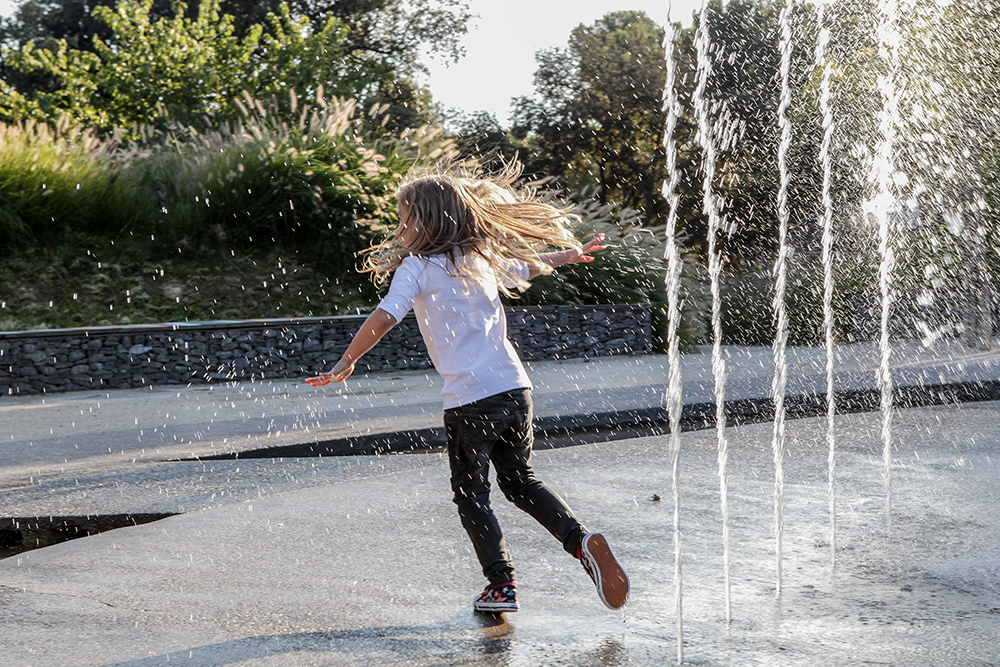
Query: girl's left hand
<point>559,257</point>
<point>593,245</point>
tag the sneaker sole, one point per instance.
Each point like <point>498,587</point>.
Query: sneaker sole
<point>495,607</point>
<point>612,582</point>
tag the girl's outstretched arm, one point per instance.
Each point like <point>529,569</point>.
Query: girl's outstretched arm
<point>371,332</point>
<point>560,257</point>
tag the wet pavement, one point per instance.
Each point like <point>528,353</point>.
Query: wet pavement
<point>361,560</point>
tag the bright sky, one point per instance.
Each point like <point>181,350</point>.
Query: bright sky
<point>500,47</point>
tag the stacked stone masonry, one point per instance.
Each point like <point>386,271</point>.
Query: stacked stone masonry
<point>123,357</point>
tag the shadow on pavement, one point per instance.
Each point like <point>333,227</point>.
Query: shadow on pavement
<point>464,635</point>
<point>588,428</point>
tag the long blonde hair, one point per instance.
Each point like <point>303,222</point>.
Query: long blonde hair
<point>461,213</point>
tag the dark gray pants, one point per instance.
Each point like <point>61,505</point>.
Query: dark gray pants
<point>498,429</point>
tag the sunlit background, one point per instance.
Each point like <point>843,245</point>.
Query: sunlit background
<point>501,45</point>
<point>502,41</point>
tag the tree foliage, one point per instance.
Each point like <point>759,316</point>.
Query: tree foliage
<point>370,50</point>
<point>596,118</point>
<point>479,136</point>
<point>179,68</point>
<point>390,37</point>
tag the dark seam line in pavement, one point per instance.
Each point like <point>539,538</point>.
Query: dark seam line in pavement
<point>20,534</point>
<point>567,431</point>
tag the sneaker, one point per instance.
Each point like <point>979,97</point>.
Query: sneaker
<point>498,598</point>
<point>608,575</point>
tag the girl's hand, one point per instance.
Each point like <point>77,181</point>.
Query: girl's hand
<point>560,257</point>
<point>339,373</point>
<point>320,380</point>
<point>593,245</point>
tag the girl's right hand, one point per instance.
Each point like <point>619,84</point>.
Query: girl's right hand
<point>339,373</point>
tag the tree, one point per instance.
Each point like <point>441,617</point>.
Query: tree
<point>479,136</point>
<point>742,95</point>
<point>596,118</point>
<point>46,21</point>
<point>379,42</point>
<point>396,30</point>
<point>180,68</point>
<point>305,56</point>
<point>949,59</point>
<point>385,36</point>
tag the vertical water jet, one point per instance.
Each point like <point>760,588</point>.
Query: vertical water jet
<point>826,112</point>
<point>780,279</point>
<point>711,208</point>
<point>671,105</point>
<point>882,204</point>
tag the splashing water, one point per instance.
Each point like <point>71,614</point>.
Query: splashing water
<point>711,207</point>
<point>780,279</point>
<point>978,322</point>
<point>826,111</point>
<point>671,105</point>
<point>892,148</point>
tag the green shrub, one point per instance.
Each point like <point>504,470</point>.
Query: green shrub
<point>315,185</point>
<point>631,270</point>
<point>319,187</point>
<point>54,179</point>
<point>256,219</point>
<point>991,193</point>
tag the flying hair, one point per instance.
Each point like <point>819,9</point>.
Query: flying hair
<point>462,213</point>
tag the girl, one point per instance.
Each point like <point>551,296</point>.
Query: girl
<point>461,241</point>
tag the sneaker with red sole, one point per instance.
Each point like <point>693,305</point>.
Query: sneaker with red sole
<point>609,577</point>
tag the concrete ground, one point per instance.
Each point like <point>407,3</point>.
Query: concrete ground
<point>361,560</point>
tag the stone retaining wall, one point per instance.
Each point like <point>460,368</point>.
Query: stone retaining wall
<point>135,356</point>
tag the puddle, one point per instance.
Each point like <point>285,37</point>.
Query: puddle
<point>21,534</point>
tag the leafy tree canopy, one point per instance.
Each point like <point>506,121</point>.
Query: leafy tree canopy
<point>176,67</point>
<point>596,119</point>
<point>109,62</point>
